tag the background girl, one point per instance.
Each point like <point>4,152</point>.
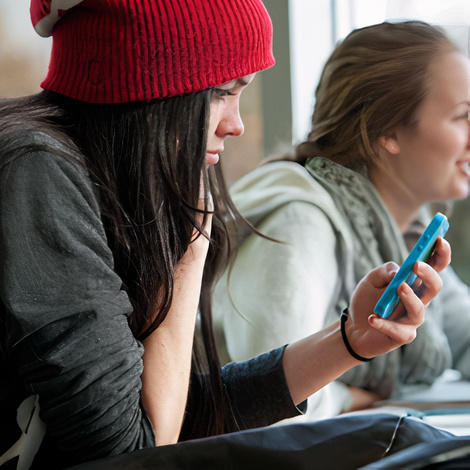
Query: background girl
<point>390,134</point>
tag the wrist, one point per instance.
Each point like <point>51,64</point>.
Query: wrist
<point>347,344</point>
<point>196,252</point>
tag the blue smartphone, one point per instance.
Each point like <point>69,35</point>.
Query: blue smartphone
<point>420,252</point>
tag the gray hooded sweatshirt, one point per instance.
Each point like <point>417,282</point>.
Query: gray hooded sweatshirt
<point>334,228</point>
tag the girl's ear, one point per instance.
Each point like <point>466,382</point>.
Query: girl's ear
<point>389,143</point>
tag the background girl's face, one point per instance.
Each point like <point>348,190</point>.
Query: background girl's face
<point>434,154</point>
<point>225,119</point>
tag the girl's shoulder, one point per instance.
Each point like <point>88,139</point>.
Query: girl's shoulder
<point>275,184</point>
<point>39,154</point>
<point>38,170</point>
<point>30,135</point>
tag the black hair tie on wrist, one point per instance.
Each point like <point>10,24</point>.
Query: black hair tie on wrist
<point>344,317</point>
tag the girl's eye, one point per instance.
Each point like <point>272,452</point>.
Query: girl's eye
<point>220,92</point>
<point>465,115</point>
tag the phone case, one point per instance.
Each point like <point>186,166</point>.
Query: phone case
<point>420,252</point>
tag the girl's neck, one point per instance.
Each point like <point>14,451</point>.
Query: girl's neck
<point>398,200</point>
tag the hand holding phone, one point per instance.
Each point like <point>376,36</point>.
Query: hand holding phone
<point>420,252</point>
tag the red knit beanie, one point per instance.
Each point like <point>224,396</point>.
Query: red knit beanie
<point>115,51</point>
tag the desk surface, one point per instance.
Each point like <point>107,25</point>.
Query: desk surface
<point>445,404</point>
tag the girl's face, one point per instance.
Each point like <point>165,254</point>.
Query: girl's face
<point>432,157</point>
<point>225,119</point>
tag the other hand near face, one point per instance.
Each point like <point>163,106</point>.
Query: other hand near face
<point>199,245</point>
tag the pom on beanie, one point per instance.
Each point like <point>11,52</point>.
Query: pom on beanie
<point>115,51</point>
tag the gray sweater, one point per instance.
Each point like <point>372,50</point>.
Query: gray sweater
<point>64,332</point>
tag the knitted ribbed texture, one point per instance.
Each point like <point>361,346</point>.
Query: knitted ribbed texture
<point>114,51</point>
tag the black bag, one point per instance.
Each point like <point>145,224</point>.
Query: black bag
<point>441,454</point>
<point>348,442</point>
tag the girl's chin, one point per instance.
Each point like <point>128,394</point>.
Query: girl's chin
<point>461,192</point>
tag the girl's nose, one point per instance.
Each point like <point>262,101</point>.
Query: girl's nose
<point>231,125</point>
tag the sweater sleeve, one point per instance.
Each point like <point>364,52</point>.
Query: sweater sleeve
<point>455,302</point>
<point>76,350</point>
<point>277,293</point>
<point>258,392</point>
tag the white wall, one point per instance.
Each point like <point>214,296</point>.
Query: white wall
<point>311,43</point>
<point>19,34</point>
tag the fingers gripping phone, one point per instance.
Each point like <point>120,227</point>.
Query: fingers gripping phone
<point>420,252</point>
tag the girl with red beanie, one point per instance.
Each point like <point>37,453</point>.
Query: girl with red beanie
<point>114,223</point>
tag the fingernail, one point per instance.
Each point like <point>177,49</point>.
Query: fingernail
<point>404,288</point>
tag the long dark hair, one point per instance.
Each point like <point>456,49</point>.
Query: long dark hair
<point>145,160</point>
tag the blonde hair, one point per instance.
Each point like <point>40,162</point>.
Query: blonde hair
<point>374,80</point>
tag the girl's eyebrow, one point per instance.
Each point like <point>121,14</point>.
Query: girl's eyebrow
<point>227,85</point>
<point>246,79</point>
<point>243,81</point>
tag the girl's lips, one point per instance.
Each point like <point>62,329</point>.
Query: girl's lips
<point>464,167</point>
<point>212,158</point>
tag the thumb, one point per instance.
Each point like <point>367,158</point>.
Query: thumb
<point>204,192</point>
<point>381,276</point>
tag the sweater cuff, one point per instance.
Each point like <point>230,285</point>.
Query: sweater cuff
<point>258,390</point>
